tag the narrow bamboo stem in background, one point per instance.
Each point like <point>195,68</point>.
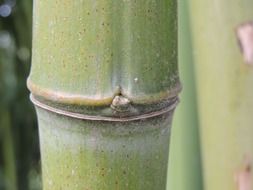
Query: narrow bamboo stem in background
<point>224,82</point>
<point>104,81</point>
<point>22,113</point>
<point>184,162</point>
<point>8,151</point>
<point>7,83</point>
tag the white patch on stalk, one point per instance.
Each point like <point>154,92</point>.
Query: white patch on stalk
<point>245,37</point>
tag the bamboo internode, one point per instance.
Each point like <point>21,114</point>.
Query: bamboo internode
<point>222,42</point>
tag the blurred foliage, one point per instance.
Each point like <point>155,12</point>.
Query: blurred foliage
<point>19,151</point>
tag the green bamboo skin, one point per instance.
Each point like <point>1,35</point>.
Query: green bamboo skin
<point>126,47</point>
<point>97,155</point>
<point>184,161</point>
<point>224,83</point>
<point>105,81</point>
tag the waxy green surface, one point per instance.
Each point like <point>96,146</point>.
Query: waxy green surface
<point>185,172</point>
<point>93,155</point>
<point>225,93</point>
<point>87,51</point>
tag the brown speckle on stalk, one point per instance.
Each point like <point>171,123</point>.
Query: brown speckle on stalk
<point>244,176</point>
<point>245,38</point>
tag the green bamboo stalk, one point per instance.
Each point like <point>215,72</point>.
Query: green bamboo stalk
<point>104,81</point>
<point>7,86</point>
<point>20,25</point>
<point>8,151</point>
<point>185,163</point>
<point>224,83</point>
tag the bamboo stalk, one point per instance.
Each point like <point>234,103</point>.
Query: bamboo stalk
<point>7,86</point>
<point>225,77</point>
<point>23,117</point>
<point>104,81</point>
<point>185,163</point>
<point>8,151</point>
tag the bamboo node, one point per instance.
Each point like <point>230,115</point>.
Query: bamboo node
<point>120,103</point>
<point>168,109</point>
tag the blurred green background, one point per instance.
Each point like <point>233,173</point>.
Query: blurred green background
<point>19,147</point>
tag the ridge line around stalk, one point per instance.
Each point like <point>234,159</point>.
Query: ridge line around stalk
<point>82,116</point>
<point>81,100</point>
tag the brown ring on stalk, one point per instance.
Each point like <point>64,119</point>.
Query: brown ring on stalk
<point>169,108</point>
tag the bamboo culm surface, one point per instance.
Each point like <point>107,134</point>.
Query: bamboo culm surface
<point>104,81</point>
<point>185,172</point>
<point>222,41</point>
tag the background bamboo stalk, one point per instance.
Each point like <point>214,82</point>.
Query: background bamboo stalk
<point>185,163</point>
<point>23,116</point>
<point>7,83</point>
<point>10,169</point>
<point>15,37</point>
<point>224,83</point>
